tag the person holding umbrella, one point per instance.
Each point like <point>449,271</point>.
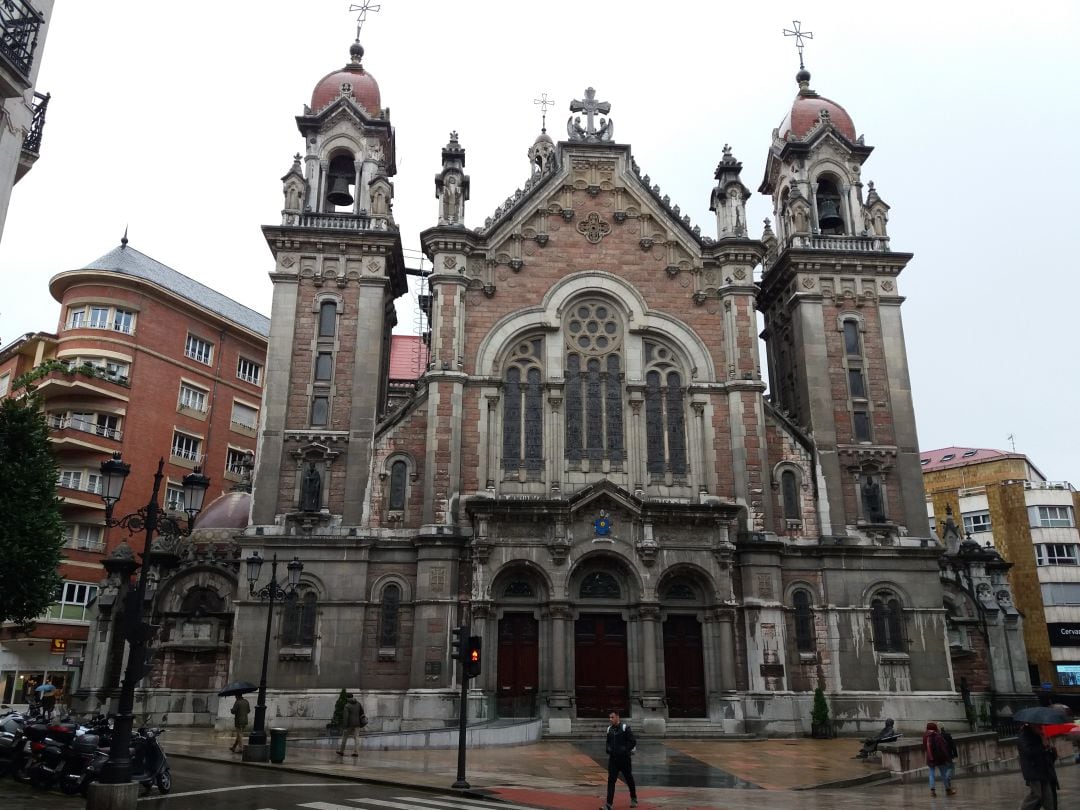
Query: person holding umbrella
<point>241,710</point>
<point>1038,756</point>
<point>48,699</point>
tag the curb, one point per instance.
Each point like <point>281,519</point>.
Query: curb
<point>855,781</point>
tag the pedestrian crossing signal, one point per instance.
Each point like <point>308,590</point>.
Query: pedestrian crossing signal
<point>472,663</point>
<point>457,644</point>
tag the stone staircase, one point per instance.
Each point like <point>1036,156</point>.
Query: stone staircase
<point>680,728</point>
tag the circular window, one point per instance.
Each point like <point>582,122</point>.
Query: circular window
<point>593,328</point>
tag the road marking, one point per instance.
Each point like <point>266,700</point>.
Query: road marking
<point>235,787</point>
<point>456,801</point>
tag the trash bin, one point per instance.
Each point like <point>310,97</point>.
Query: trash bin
<point>277,745</point>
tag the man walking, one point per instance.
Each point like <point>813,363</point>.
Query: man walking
<point>240,709</point>
<point>1037,758</point>
<point>352,718</point>
<point>621,745</point>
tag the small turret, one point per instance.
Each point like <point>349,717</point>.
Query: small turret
<point>729,198</point>
<point>452,184</point>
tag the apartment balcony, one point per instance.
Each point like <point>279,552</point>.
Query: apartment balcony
<point>20,24</point>
<point>78,434</point>
<point>31,146</point>
<point>60,379</point>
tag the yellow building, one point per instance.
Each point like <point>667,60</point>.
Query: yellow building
<point>1004,500</point>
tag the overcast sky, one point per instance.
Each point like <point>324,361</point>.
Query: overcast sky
<point>177,120</point>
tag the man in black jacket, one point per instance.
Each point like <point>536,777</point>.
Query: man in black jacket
<point>621,745</point>
<point>1037,758</point>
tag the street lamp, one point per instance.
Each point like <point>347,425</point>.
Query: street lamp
<point>270,592</point>
<point>151,520</point>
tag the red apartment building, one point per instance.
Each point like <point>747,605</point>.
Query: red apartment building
<point>147,362</point>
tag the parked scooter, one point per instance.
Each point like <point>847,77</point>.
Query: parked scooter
<point>149,765</point>
<point>13,743</point>
<point>61,753</point>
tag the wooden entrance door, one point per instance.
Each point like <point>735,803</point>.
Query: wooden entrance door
<point>684,667</point>
<point>518,665</point>
<point>601,680</point>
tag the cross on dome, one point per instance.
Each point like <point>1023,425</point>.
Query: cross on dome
<point>799,35</point>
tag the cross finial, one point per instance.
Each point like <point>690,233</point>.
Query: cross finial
<point>363,8</point>
<point>544,103</point>
<point>799,35</point>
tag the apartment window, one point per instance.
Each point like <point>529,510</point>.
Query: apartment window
<point>198,349</point>
<point>1057,553</point>
<point>320,411</point>
<point>856,383</point>
<point>76,318</point>
<point>327,319</point>
<point>861,421</point>
<point>248,371</point>
<point>174,498</point>
<point>192,397</point>
<point>324,366</point>
<point>976,522</point>
<point>245,416</point>
<point>5,384</point>
<point>108,426</point>
<point>72,600</point>
<point>234,460</point>
<point>1061,593</point>
<point>185,446</point>
<point>70,479</point>
<point>84,537</point>
<point>1054,517</point>
<point>123,321</point>
<point>852,344</point>
<point>98,318</point>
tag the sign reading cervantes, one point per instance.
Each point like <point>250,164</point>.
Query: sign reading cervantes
<point>1064,634</point>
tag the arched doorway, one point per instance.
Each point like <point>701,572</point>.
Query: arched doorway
<point>601,671</point>
<point>517,676</point>
<point>684,648</point>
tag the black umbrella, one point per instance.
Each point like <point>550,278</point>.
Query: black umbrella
<point>1041,716</point>
<point>238,688</point>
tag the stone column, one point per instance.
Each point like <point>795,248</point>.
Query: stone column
<point>492,437</point>
<point>703,451</point>
<point>560,700</point>
<point>727,650</point>
<point>649,615</point>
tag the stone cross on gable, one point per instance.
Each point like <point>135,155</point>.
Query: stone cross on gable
<point>590,106</point>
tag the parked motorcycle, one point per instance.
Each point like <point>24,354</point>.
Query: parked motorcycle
<point>13,743</point>
<point>149,765</point>
<point>62,752</point>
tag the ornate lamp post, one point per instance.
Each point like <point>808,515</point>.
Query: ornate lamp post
<point>256,748</point>
<point>151,520</point>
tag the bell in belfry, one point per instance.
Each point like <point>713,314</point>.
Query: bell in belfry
<point>338,193</point>
<point>829,215</point>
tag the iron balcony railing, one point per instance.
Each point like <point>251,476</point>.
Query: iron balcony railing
<point>32,142</point>
<point>59,422</point>
<point>20,23</point>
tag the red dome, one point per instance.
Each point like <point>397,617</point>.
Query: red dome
<point>230,511</point>
<point>353,81</point>
<point>806,112</point>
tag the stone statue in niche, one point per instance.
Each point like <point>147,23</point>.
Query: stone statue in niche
<point>292,198</point>
<point>451,199</point>
<point>873,508</point>
<point>378,203</point>
<point>311,490</point>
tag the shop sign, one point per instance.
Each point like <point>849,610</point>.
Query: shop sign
<point>1064,634</point>
<point>59,646</point>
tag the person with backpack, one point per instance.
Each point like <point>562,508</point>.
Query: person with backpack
<point>937,758</point>
<point>621,744</point>
<point>954,754</point>
<point>353,718</point>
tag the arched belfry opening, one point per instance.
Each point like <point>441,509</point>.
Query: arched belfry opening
<point>340,182</point>
<point>830,218</point>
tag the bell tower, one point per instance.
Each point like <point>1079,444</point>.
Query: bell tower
<point>834,336</point>
<point>338,269</point>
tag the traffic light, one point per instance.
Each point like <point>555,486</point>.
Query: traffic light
<point>472,663</point>
<point>457,646</point>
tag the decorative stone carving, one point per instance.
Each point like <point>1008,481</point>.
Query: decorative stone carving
<point>593,228</point>
<point>591,107</point>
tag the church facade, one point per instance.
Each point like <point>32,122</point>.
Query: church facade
<point>591,474</point>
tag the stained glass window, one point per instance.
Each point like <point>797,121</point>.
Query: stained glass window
<point>676,428</point>
<point>665,414</point>
<point>790,491</point>
<point>523,409</point>
<point>680,590</point>
<point>654,424</point>
<point>804,621</point>
<point>887,621</point>
<point>594,396</point>
<point>518,588</point>
<point>388,616</point>
<point>398,473</point>
<point>299,621</point>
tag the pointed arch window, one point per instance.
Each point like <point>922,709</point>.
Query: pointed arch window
<point>886,614</point>
<point>594,384</point>
<point>665,423</point>
<point>804,621</point>
<point>523,409</point>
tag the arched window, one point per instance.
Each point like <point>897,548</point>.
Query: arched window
<point>523,409</point>
<point>389,615</point>
<point>299,621</point>
<point>665,426</point>
<point>599,585</point>
<point>804,621</point>
<point>398,473</point>
<point>789,489</point>
<point>594,372</point>
<point>830,217</point>
<point>888,622</point>
<point>327,319</point>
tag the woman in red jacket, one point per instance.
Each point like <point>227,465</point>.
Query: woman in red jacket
<point>937,758</point>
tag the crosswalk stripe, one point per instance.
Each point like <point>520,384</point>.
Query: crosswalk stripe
<point>469,804</point>
<point>327,806</point>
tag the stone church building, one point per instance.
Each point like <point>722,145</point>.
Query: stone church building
<point>591,473</point>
